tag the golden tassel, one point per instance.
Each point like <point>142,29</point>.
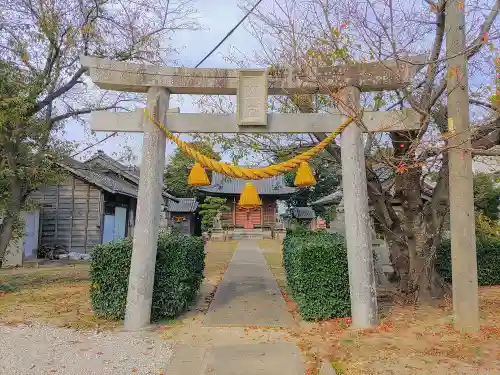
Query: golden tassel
<point>304,176</point>
<point>249,198</point>
<point>198,176</point>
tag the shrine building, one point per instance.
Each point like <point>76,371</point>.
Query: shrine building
<point>264,217</point>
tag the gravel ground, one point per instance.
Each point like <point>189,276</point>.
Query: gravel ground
<point>30,350</point>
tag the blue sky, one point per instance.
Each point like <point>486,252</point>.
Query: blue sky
<point>217,17</point>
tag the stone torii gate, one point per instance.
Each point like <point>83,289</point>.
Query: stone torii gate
<point>252,87</point>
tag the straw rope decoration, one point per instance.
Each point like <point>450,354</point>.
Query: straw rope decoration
<point>250,173</point>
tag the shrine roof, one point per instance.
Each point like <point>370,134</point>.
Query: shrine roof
<point>183,205</point>
<point>222,184</point>
<point>303,213</point>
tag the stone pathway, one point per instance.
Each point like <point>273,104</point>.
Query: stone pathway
<point>248,295</point>
<point>244,331</point>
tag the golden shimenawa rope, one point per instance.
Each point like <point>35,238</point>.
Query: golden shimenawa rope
<point>249,173</point>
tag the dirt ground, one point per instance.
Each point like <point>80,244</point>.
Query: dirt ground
<point>409,340</point>
<point>60,295</point>
<point>53,295</point>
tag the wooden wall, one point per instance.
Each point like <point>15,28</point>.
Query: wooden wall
<point>70,214</point>
<point>264,216</point>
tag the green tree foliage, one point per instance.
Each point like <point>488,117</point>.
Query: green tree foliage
<point>327,178</point>
<point>487,195</point>
<point>23,165</point>
<point>209,209</point>
<point>42,83</point>
<point>179,166</point>
<point>178,276</point>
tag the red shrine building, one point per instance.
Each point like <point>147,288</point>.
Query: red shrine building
<point>264,218</point>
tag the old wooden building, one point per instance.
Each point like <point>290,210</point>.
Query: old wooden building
<point>94,203</point>
<point>270,191</point>
<point>182,215</point>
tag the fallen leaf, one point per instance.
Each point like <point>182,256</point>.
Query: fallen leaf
<point>402,168</point>
<point>134,370</point>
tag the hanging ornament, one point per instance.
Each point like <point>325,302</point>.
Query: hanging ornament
<point>198,176</point>
<point>249,198</point>
<point>304,176</point>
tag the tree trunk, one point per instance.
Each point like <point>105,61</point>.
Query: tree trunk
<point>9,219</point>
<point>6,230</point>
<point>413,241</point>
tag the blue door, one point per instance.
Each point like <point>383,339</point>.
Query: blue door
<point>120,222</point>
<point>115,225</point>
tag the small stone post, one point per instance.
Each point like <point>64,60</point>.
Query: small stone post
<point>357,218</point>
<point>149,203</point>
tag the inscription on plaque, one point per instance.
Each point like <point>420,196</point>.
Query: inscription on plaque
<point>252,97</point>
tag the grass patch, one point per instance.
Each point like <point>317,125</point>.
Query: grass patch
<point>275,262</point>
<point>60,295</point>
<point>270,245</point>
<point>218,256</point>
<point>274,257</point>
<point>21,278</point>
<point>338,367</point>
<point>53,295</point>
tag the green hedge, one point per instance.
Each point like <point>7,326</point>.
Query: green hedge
<point>316,273</point>
<point>488,260</point>
<point>178,276</point>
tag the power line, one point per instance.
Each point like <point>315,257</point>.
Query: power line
<point>229,33</point>
<point>95,144</point>
<point>197,65</point>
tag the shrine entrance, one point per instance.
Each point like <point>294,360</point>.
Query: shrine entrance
<point>252,87</point>
<point>248,218</point>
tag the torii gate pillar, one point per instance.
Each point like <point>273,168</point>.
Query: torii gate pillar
<point>357,218</point>
<point>142,267</point>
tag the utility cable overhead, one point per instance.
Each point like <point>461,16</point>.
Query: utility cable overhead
<point>229,33</point>
<point>197,65</point>
<point>95,144</point>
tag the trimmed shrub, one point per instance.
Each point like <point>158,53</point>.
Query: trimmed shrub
<point>178,276</point>
<point>316,273</point>
<point>488,260</point>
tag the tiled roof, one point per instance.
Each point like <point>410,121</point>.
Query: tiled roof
<point>105,182</point>
<point>131,174</point>
<point>227,185</point>
<point>303,213</point>
<point>333,198</point>
<point>108,182</point>
<point>183,205</point>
